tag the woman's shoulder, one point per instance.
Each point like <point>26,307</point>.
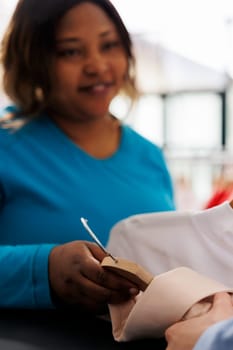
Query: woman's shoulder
<point>139,140</point>
<point>6,135</point>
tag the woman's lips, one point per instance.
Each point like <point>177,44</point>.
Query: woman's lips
<point>96,88</point>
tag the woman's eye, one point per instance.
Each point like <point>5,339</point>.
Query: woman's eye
<point>69,52</point>
<point>111,45</point>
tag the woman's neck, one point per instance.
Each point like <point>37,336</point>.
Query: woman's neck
<point>99,138</point>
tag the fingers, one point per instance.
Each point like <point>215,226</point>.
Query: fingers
<point>101,276</point>
<point>100,293</point>
<point>77,277</point>
<point>74,297</point>
<point>95,251</point>
<point>101,285</point>
<point>222,299</point>
<point>108,279</point>
<point>222,307</point>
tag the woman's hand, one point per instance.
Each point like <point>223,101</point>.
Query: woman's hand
<point>184,335</point>
<point>77,278</point>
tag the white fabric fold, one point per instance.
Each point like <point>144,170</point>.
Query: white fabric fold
<point>159,242</point>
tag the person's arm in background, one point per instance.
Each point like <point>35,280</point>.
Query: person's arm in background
<point>199,333</point>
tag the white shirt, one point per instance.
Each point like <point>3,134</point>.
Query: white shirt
<point>201,240</point>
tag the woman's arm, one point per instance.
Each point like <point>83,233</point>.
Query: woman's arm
<point>24,281</point>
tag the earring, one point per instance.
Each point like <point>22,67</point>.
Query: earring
<point>39,94</point>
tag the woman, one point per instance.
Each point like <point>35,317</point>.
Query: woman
<point>65,156</point>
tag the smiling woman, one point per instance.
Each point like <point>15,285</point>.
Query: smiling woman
<point>69,157</point>
<point>91,66</point>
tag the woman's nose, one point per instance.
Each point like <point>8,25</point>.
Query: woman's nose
<point>95,64</point>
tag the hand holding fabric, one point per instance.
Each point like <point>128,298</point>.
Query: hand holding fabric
<point>77,278</point>
<point>184,335</point>
<point>173,296</point>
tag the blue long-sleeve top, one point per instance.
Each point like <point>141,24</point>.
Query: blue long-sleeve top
<point>47,183</point>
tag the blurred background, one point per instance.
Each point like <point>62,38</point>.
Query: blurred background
<point>184,55</point>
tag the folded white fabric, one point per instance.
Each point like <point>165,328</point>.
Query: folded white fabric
<point>202,241</point>
<point>177,294</point>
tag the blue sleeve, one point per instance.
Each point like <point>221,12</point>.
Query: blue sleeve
<point>24,279</point>
<point>217,337</point>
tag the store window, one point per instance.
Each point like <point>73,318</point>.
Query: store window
<point>193,121</point>
<point>146,116</point>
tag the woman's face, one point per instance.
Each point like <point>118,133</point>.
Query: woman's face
<point>89,65</point>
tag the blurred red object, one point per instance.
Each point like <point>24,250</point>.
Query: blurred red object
<point>220,195</point>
